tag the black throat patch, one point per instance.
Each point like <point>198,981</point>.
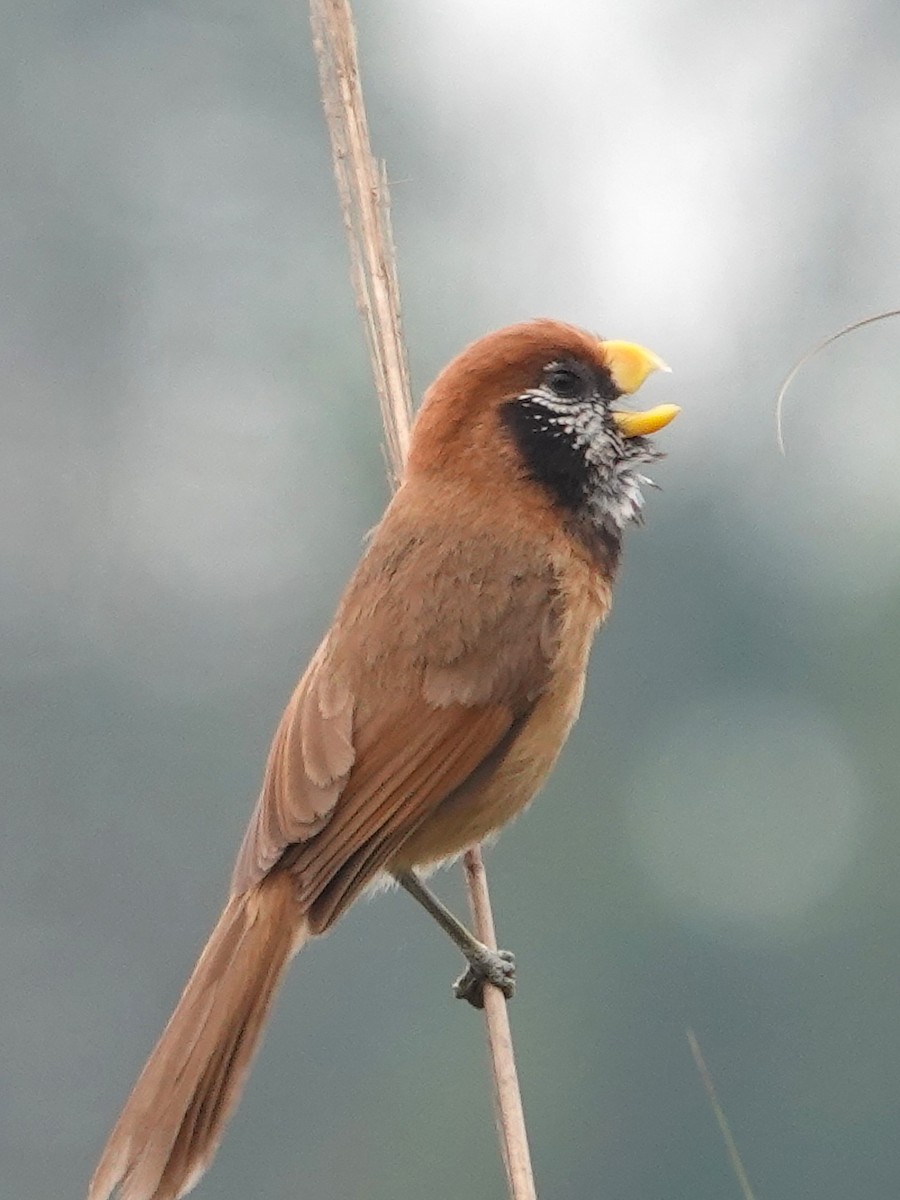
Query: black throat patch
<point>558,459</point>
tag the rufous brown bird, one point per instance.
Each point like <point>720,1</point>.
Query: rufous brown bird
<point>430,714</point>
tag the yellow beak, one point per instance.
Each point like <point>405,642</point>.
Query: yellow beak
<point>639,424</point>
<point>629,365</point>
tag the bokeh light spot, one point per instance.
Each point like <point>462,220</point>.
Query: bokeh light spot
<point>749,811</point>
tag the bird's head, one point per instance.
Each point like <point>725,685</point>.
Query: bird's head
<point>544,400</point>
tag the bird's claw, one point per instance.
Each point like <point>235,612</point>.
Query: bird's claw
<point>490,966</point>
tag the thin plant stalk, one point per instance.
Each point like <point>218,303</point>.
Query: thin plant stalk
<point>365,208</point>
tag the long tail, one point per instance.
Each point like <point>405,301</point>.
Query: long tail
<point>173,1120</point>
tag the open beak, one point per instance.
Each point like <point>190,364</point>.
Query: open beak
<point>640,424</point>
<point>629,365</point>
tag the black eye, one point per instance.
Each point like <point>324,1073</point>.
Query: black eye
<point>566,383</point>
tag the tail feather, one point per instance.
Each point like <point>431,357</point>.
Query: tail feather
<point>173,1120</point>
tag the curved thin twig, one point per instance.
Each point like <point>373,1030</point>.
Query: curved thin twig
<point>810,354</point>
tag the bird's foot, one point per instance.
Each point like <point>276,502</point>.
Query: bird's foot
<point>486,966</point>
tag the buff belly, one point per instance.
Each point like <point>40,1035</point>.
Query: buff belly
<point>504,787</point>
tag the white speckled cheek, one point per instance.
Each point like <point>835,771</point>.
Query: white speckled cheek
<point>620,507</point>
<point>613,495</point>
<point>594,436</point>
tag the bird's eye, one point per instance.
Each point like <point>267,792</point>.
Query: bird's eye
<point>566,383</point>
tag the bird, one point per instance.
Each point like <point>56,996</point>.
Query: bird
<point>431,712</point>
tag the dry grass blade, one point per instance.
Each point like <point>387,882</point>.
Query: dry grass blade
<point>365,205</point>
<point>811,354</point>
<point>730,1145</point>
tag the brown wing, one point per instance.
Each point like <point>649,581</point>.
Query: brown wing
<point>433,658</point>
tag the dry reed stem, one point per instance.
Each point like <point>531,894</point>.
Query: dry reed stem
<point>365,207</point>
<point>510,1115</point>
<point>365,201</point>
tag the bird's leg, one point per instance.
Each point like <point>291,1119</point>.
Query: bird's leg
<point>485,965</point>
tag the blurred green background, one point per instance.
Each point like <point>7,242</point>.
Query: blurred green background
<point>189,462</point>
